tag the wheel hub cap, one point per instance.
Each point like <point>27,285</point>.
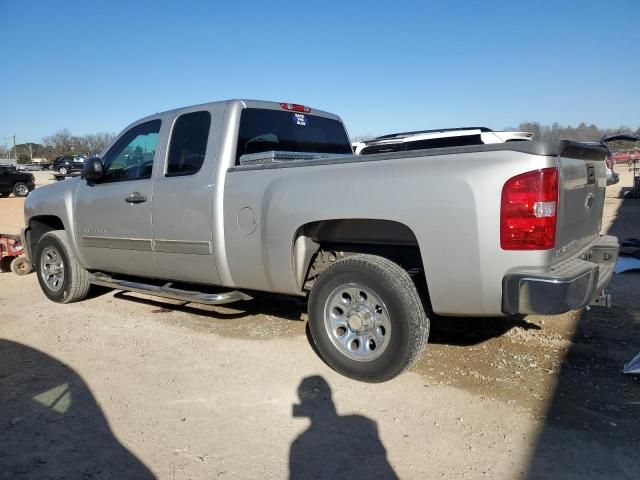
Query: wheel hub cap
<point>357,322</point>
<point>52,269</point>
<point>361,321</point>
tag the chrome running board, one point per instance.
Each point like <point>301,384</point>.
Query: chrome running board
<point>167,291</point>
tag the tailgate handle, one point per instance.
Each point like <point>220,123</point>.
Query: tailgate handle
<point>591,174</point>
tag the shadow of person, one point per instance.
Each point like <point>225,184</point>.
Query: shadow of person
<point>50,424</point>
<point>334,447</point>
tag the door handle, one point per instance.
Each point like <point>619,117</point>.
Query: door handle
<point>135,197</point>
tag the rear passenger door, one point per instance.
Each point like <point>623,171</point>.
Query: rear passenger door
<point>183,199</point>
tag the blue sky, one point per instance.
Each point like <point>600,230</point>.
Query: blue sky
<point>384,67</point>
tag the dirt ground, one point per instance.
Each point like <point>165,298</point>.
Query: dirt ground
<point>129,386</point>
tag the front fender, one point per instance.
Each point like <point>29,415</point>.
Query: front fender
<point>54,200</point>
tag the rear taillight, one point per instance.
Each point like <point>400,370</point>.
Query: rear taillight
<point>294,107</point>
<point>528,211</point>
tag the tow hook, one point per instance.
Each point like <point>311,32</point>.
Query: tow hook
<point>602,300</point>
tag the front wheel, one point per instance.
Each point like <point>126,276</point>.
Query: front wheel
<point>367,319</point>
<point>63,170</point>
<point>20,189</point>
<point>61,277</point>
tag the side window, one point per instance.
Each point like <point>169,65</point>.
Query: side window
<point>457,141</point>
<point>131,157</point>
<point>188,145</point>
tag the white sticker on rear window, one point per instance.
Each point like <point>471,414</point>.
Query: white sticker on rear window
<point>300,119</point>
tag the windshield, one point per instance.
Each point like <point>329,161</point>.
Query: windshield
<point>266,130</point>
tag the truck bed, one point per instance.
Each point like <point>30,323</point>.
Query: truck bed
<point>447,198</point>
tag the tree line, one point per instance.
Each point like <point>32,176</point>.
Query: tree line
<point>64,142</point>
<point>581,133</point>
<point>60,143</point>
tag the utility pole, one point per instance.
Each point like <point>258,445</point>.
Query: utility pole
<point>15,152</point>
<point>31,152</point>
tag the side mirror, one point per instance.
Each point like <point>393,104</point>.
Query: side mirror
<point>93,169</point>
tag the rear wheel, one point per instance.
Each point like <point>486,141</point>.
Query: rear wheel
<point>20,189</point>
<point>61,277</point>
<point>367,319</point>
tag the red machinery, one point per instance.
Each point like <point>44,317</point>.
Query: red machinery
<point>12,255</point>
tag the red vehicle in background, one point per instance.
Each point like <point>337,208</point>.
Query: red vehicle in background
<point>626,156</point>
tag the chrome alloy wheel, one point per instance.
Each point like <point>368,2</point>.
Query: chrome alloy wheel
<point>357,322</point>
<point>22,190</point>
<point>52,269</point>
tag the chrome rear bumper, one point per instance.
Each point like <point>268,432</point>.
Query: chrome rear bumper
<point>570,285</point>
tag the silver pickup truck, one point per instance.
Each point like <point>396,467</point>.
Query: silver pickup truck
<point>213,202</point>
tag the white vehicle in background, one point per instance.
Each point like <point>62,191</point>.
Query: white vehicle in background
<point>441,138</point>
<point>456,137</point>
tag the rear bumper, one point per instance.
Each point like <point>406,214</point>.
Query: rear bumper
<point>567,286</point>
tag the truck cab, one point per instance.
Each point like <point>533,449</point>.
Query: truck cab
<point>157,207</point>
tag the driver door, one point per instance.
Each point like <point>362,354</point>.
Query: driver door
<point>114,214</point>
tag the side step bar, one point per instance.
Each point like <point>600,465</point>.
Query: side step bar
<point>167,291</point>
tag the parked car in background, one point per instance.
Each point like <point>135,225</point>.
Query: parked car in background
<point>13,181</point>
<point>31,167</point>
<point>68,163</point>
<point>456,137</point>
<point>439,138</point>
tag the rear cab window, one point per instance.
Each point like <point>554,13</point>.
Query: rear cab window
<point>264,130</point>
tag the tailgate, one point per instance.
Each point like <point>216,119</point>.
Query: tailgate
<point>581,194</point>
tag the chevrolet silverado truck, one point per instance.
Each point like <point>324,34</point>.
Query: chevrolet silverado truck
<point>216,202</point>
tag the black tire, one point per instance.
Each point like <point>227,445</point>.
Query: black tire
<point>63,170</point>
<point>20,189</point>
<point>21,266</point>
<point>75,279</point>
<point>404,310</point>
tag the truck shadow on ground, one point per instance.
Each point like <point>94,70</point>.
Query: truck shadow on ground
<point>459,331</point>
<point>592,425</point>
<point>468,331</point>
<point>334,446</point>
<point>289,308</point>
<point>51,425</point>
